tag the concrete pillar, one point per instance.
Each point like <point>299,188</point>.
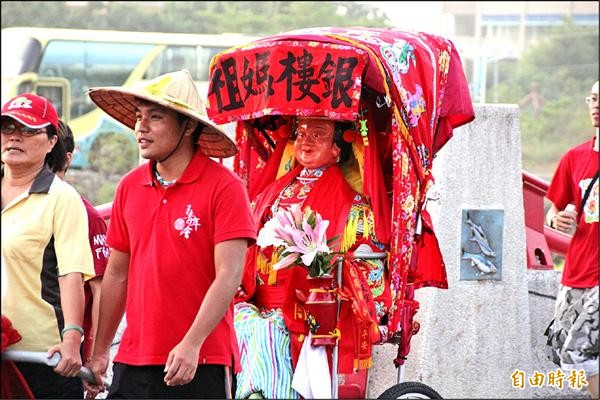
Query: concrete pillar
<point>477,333</point>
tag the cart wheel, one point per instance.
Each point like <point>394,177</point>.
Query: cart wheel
<point>410,390</point>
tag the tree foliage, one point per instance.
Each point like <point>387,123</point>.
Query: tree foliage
<point>249,17</point>
<point>113,155</point>
<point>564,65</point>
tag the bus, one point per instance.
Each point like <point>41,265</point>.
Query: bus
<point>62,64</point>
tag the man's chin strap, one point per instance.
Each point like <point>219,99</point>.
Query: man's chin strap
<point>176,147</point>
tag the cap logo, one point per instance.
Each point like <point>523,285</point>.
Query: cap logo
<point>20,102</point>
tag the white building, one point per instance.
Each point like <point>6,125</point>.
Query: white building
<point>487,32</point>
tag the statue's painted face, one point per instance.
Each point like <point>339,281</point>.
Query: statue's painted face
<point>314,147</point>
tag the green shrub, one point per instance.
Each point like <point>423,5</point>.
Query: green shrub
<point>113,153</point>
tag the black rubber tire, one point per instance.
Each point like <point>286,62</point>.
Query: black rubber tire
<point>410,390</point>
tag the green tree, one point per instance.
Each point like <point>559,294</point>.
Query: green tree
<point>564,65</point>
<point>249,17</point>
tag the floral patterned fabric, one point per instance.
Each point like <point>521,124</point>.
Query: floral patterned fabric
<point>413,93</point>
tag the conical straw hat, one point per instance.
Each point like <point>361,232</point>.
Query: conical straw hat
<point>176,91</point>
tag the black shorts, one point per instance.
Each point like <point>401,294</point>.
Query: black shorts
<point>47,384</point>
<point>147,382</point>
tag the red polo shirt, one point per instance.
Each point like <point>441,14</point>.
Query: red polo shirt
<point>573,175</point>
<point>170,235</point>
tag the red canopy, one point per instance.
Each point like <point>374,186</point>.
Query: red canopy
<point>320,72</point>
<point>406,92</point>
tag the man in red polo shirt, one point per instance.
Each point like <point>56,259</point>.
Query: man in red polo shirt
<point>573,336</point>
<point>178,232</point>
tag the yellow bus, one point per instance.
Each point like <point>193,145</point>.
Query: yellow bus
<point>61,64</point>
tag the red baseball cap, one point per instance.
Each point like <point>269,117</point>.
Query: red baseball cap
<point>31,110</point>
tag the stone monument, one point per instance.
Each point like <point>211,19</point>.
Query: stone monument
<point>475,339</point>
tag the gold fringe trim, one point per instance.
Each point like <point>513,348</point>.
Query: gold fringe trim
<point>367,228</point>
<point>273,273</point>
<point>349,237</point>
<point>262,265</point>
<point>272,277</point>
<point>358,213</point>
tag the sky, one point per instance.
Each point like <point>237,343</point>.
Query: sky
<point>412,15</point>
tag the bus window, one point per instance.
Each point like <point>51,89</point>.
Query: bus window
<point>174,58</point>
<point>205,54</point>
<point>89,64</point>
<point>195,59</point>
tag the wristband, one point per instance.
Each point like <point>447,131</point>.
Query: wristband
<point>71,327</point>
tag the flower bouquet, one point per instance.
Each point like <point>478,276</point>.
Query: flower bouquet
<point>299,238</point>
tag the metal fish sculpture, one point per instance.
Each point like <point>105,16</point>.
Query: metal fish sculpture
<point>480,238</point>
<point>480,262</point>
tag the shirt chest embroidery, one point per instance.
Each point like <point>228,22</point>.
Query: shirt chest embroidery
<point>188,224</point>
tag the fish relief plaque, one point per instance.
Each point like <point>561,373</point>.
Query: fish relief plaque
<point>481,244</point>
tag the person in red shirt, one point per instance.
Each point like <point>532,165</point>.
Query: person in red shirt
<point>97,236</point>
<point>178,232</point>
<point>46,256</point>
<point>573,335</point>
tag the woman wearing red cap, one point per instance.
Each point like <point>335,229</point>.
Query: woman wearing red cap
<point>45,249</point>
